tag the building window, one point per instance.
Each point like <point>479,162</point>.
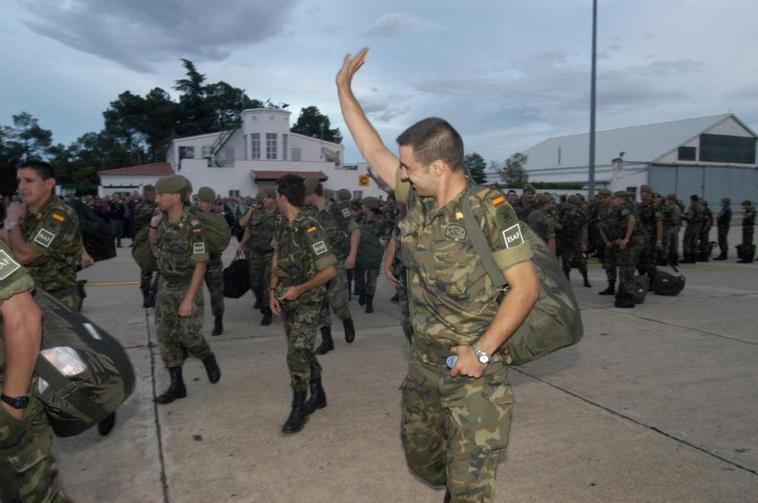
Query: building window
<point>245,136</point>
<point>234,193</point>
<point>296,154</point>
<point>270,145</point>
<point>255,141</point>
<point>687,154</point>
<point>186,153</point>
<point>284,147</point>
<point>228,156</point>
<point>725,148</point>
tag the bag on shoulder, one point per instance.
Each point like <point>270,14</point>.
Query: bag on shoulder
<point>237,278</point>
<point>82,374</point>
<point>668,284</point>
<point>141,251</point>
<point>98,237</point>
<point>217,230</point>
<point>555,321</point>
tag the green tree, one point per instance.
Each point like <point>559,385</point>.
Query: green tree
<point>513,172</point>
<point>475,165</point>
<point>196,115</point>
<point>317,125</point>
<point>226,103</point>
<point>22,141</point>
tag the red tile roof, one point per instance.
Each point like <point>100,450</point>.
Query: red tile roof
<point>275,175</point>
<point>155,169</point>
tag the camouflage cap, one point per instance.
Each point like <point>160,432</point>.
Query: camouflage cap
<point>529,188</point>
<point>370,202</point>
<point>621,193</point>
<point>267,191</point>
<point>726,200</point>
<point>344,195</point>
<point>646,188</point>
<point>747,202</point>
<point>311,183</point>
<point>172,184</point>
<point>206,194</point>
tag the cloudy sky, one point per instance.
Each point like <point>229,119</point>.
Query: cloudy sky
<point>506,73</point>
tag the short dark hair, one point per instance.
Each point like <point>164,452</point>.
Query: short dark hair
<point>511,191</point>
<point>293,188</point>
<point>434,139</point>
<point>43,169</point>
<point>694,197</point>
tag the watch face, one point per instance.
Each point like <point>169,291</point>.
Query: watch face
<point>484,359</point>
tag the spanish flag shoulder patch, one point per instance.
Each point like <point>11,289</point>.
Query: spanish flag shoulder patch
<point>58,216</point>
<point>498,200</point>
<point>311,228</point>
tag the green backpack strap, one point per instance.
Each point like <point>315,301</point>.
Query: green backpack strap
<point>479,240</point>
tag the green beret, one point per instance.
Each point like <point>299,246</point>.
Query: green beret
<point>370,203</point>
<point>173,184</point>
<point>529,188</point>
<point>344,195</point>
<point>747,202</point>
<point>148,189</point>
<point>206,194</point>
<point>646,188</point>
<point>310,184</point>
<point>604,193</point>
<point>726,200</point>
<point>544,198</point>
<point>621,193</point>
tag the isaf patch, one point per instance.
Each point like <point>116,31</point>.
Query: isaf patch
<point>346,213</point>
<point>320,248</point>
<point>7,265</point>
<point>44,238</point>
<point>198,248</point>
<point>513,236</point>
<point>455,232</point>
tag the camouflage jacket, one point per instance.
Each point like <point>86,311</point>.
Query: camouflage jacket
<point>346,224</point>
<point>650,214</point>
<point>571,226</point>
<point>302,250</point>
<point>262,229</point>
<point>179,246</point>
<point>374,230</point>
<point>53,231</point>
<point>452,300</point>
<point>617,221</point>
<point>694,215</point>
<point>748,217</point>
<point>672,216</point>
<point>143,213</point>
<point>543,223</point>
<point>524,209</point>
<point>724,218</point>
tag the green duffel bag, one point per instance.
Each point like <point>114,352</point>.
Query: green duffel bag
<point>141,251</point>
<point>217,230</point>
<point>82,374</point>
<point>555,321</point>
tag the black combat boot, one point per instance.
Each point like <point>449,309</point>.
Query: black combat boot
<point>586,280</point>
<point>218,325</point>
<point>106,425</point>
<point>212,369</point>
<point>175,390</point>
<point>362,298</point>
<point>611,290</point>
<point>327,344</point>
<point>349,330</point>
<point>298,416</point>
<point>149,298</point>
<point>317,399</point>
<point>369,303</point>
<point>624,301</point>
<point>266,320</point>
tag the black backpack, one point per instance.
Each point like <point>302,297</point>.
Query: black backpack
<point>668,284</point>
<point>98,237</point>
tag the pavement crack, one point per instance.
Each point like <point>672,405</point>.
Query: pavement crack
<point>158,432</point>
<point>638,422</point>
<point>706,332</point>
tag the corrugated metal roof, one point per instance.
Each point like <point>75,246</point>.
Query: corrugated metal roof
<point>639,143</point>
<point>155,168</point>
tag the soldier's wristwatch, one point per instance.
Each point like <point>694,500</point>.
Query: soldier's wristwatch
<point>484,358</point>
<point>19,402</point>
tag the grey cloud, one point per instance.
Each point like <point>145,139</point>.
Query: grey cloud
<point>384,108</point>
<point>138,34</point>
<point>398,23</point>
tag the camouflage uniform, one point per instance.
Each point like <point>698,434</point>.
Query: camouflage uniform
<point>214,272</point>
<point>543,223</point>
<point>53,231</point>
<point>748,228</point>
<point>524,209</point>
<point>650,214</point>
<point>28,470</point>
<point>262,228</point>
<point>369,261</point>
<point>694,217</point>
<point>723,221</point>
<point>179,246</point>
<point>704,240</point>
<point>143,213</point>
<point>672,223</point>
<point>570,238</point>
<point>398,269</point>
<point>625,260</point>
<point>302,250</point>
<point>454,429</point>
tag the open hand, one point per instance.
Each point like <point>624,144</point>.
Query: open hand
<point>350,66</point>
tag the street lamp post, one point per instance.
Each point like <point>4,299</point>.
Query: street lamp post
<point>591,184</point>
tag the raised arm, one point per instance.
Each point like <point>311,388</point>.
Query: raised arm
<point>381,159</point>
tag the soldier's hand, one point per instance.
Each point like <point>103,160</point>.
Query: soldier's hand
<point>238,248</point>
<point>350,66</point>
<point>467,364</point>
<point>622,243</point>
<point>291,293</point>
<point>391,277</point>
<point>15,211</point>
<point>350,262</point>
<point>276,308</point>
<point>185,308</point>
<point>156,220</point>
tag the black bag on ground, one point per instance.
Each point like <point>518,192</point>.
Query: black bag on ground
<point>555,321</point>
<point>98,237</point>
<point>668,284</point>
<point>82,374</point>
<point>237,278</point>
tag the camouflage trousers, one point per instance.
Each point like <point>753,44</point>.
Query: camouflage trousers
<point>69,296</point>
<point>337,297</point>
<point>626,262</point>
<point>402,299</point>
<point>260,277</point>
<point>214,279</point>
<point>723,234</point>
<point>454,429</point>
<point>691,236</point>
<point>365,279</point>
<point>648,259</point>
<point>179,336</point>
<point>145,279</point>
<point>301,325</point>
<point>671,244</point>
<point>571,256</point>
<point>28,470</point>
<point>747,236</point>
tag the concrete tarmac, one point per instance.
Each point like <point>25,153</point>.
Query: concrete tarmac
<point>655,404</point>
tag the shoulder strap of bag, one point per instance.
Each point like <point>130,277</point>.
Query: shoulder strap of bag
<point>479,240</point>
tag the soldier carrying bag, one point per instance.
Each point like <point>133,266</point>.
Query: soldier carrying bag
<point>82,374</point>
<point>555,321</point>
<point>216,228</point>
<point>237,278</point>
